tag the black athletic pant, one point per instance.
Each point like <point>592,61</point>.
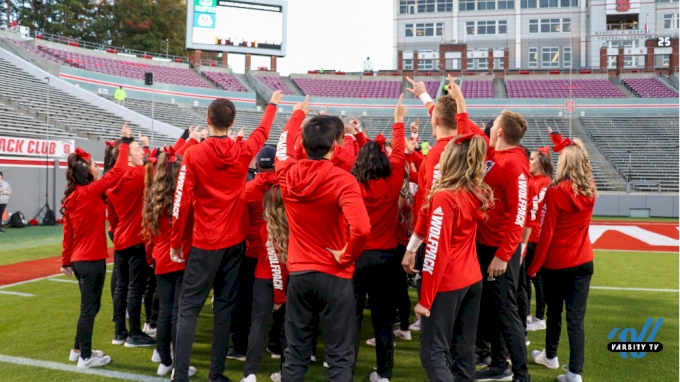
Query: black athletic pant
<point>403,299</point>
<point>329,298</point>
<point>132,278</point>
<point>499,316</point>
<point>447,337</point>
<point>207,270</point>
<point>169,287</point>
<point>523,295</point>
<point>240,327</point>
<point>567,287</point>
<point>538,284</point>
<point>377,273</point>
<point>90,276</point>
<point>151,299</point>
<point>2,212</point>
<point>277,333</point>
<point>263,306</point>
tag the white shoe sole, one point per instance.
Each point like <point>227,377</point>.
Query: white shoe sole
<point>128,345</point>
<point>540,361</point>
<point>118,342</point>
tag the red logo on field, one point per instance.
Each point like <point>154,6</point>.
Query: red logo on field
<point>622,5</point>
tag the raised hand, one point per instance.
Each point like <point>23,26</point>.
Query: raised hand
<point>355,124</point>
<point>414,127</point>
<point>550,131</point>
<point>125,132</point>
<point>205,133</point>
<point>303,106</point>
<point>194,134</point>
<point>454,90</point>
<point>410,146</point>
<point>323,112</point>
<point>418,87</point>
<point>242,132</point>
<point>277,96</point>
<point>143,140</point>
<point>400,110</point>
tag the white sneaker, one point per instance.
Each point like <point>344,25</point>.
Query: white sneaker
<point>529,318</point>
<point>311,359</point>
<point>376,378</point>
<point>535,325</point>
<point>325,364</point>
<point>415,327</point>
<point>164,370</point>
<point>151,332</point>
<point>566,378</point>
<point>370,342</point>
<point>156,357</point>
<point>542,359</point>
<point>93,361</point>
<point>276,377</point>
<point>250,378</point>
<point>73,357</point>
<point>403,334</point>
<point>192,371</point>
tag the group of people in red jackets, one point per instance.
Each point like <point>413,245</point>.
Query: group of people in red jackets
<point>333,217</point>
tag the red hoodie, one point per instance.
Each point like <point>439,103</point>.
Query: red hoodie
<point>381,198</point>
<point>125,202</point>
<point>160,248</point>
<point>542,182</point>
<point>324,207</point>
<point>255,190</point>
<point>564,241</point>
<point>269,267</point>
<point>212,179</point>
<point>450,254</point>
<point>85,216</point>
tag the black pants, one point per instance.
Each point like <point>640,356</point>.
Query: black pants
<point>131,279</point>
<point>523,295</point>
<point>499,318</point>
<point>377,273</point>
<point>447,337</point>
<point>403,299</point>
<point>329,298</point>
<point>151,299</point>
<point>567,287</point>
<point>263,306</point>
<point>205,270</point>
<point>538,284</point>
<point>91,276</point>
<point>240,327</point>
<point>169,287</point>
<point>277,333</point>
<point>2,212</point>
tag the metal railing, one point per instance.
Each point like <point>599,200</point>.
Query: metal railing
<point>105,48</point>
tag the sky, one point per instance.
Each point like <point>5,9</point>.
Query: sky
<point>333,34</point>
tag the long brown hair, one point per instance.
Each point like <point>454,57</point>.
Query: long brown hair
<point>462,166</point>
<point>159,190</point>
<point>574,165</point>
<point>277,222</point>
<point>545,163</point>
<point>110,156</point>
<point>77,173</point>
<point>405,214</point>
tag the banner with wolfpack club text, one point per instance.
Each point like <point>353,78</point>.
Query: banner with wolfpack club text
<point>36,147</point>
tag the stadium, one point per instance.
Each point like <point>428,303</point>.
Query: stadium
<point>605,72</point>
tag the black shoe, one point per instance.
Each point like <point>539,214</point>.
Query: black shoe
<point>232,354</point>
<point>120,338</point>
<point>494,374</point>
<point>139,340</point>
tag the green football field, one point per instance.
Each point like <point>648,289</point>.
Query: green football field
<point>38,320</point>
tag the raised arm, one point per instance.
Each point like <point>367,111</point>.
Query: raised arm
<point>98,187</point>
<point>398,156</point>
<point>419,90</point>
<point>285,149</point>
<point>259,136</point>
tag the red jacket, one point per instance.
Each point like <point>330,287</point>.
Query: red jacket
<point>160,248</point>
<point>427,174</point>
<point>212,180</point>
<point>126,202</point>
<point>542,182</point>
<point>270,268</point>
<point>255,190</point>
<point>381,198</point>
<point>564,241</point>
<point>324,207</point>
<point>85,216</point>
<point>450,261</point>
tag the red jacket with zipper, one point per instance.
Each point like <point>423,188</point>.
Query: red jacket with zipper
<point>212,180</point>
<point>450,261</point>
<point>324,207</point>
<point>564,241</point>
<point>85,216</point>
<point>255,190</point>
<point>269,267</point>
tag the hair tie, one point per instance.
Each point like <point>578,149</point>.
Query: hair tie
<point>565,142</point>
<point>82,154</point>
<point>380,140</point>
<point>111,144</point>
<point>544,150</point>
<point>170,156</point>
<point>153,156</point>
<point>464,138</point>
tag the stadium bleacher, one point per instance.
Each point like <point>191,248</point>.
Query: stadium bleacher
<point>274,83</point>
<point>580,88</point>
<point>24,108</point>
<point>349,88</point>
<point>649,144</point>
<point>649,88</point>
<point>225,81</point>
<point>478,89</point>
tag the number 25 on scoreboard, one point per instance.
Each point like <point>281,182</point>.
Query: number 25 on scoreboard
<point>664,41</point>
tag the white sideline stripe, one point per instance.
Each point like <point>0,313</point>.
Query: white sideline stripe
<point>636,289</point>
<point>29,281</point>
<point>65,281</point>
<point>17,293</point>
<point>71,368</point>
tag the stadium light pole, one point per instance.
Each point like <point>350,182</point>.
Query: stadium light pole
<point>47,152</point>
